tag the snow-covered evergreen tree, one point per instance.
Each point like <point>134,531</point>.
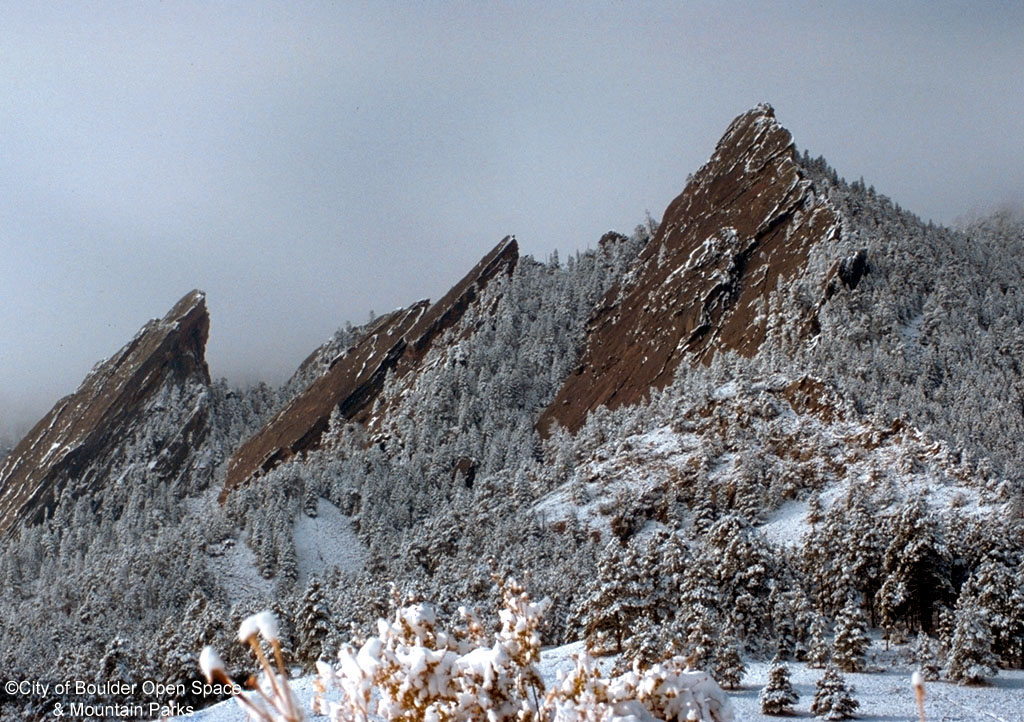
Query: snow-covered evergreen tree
<point>926,655</point>
<point>313,623</point>
<point>971,659</point>
<point>785,631</point>
<point>915,571</point>
<point>727,667</point>
<point>621,597</point>
<point>851,638</point>
<point>818,651</point>
<point>995,587</point>
<point>778,696</point>
<point>833,697</point>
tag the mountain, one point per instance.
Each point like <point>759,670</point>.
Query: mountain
<point>158,380</point>
<point>789,403</point>
<point>352,382</point>
<point>742,227</point>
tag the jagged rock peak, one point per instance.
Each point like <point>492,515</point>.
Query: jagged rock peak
<point>352,385</point>
<point>705,283</point>
<point>77,440</point>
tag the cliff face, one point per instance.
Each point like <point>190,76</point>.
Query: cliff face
<point>352,385</point>
<point>74,447</point>
<point>745,223</point>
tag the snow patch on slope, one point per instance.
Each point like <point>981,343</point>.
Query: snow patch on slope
<point>787,524</point>
<point>327,541</point>
<point>235,564</point>
<point>788,440</point>
<point>639,463</point>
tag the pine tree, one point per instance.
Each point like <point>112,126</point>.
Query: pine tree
<point>851,639</point>
<point>915,571</point>
<point>833,697</point>
<point>200,624</point>
<point>728,667</point>
<point>644,647</point>
<point>944,630</point>
<point>862,548</point>
<point>778,696</point>
<point>781,604</point>
<point>971,659</point>
<point>818,653</point>
<point>803,620</point>
<point>313,624</point>
<point>621,597</point>
<point>994,587</point>
<point>702,642</point>
<point>814,511</point>
<point>669,555</point>
<point>736,558</point>
<point>926,655</point>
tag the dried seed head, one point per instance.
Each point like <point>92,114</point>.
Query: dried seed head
<point>211,664</point>
<point>249,628</point>
<point>917,680</point>
<point>267,624</point>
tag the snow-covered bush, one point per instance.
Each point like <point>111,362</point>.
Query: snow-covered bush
<point>414,670</point>
<point>666,691</point>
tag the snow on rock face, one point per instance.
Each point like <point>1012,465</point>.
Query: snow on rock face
<point>744,224</point>
<point>78,441</point>
<point>352,385</point>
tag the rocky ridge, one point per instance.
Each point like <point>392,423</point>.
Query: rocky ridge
<point>75,446</point>
<point>814,355</point>
<point>743,226</point>
<point>352,383</point>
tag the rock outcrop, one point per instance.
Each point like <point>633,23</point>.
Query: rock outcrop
<point>352,385</point>
<point>75,446</point>
<point>745,223</point>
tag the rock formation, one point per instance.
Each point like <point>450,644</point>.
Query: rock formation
<point>745,223</point>
<point>75,446</point>
<point>353,382</point>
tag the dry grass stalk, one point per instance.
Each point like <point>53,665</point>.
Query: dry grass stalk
<point>277,706</point>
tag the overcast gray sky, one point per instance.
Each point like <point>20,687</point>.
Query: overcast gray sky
<point>306,162</point>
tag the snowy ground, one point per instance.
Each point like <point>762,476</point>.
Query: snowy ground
<point>327,540</point>
<point>321,542</point>
<point>787,524</point>
<point>233,562</point>
<point>883,696</point>
<point>888,696</point>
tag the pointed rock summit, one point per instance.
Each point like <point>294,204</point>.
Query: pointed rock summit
<point>77,443</point>
<point>745,223</point>
<point>395,343</point>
